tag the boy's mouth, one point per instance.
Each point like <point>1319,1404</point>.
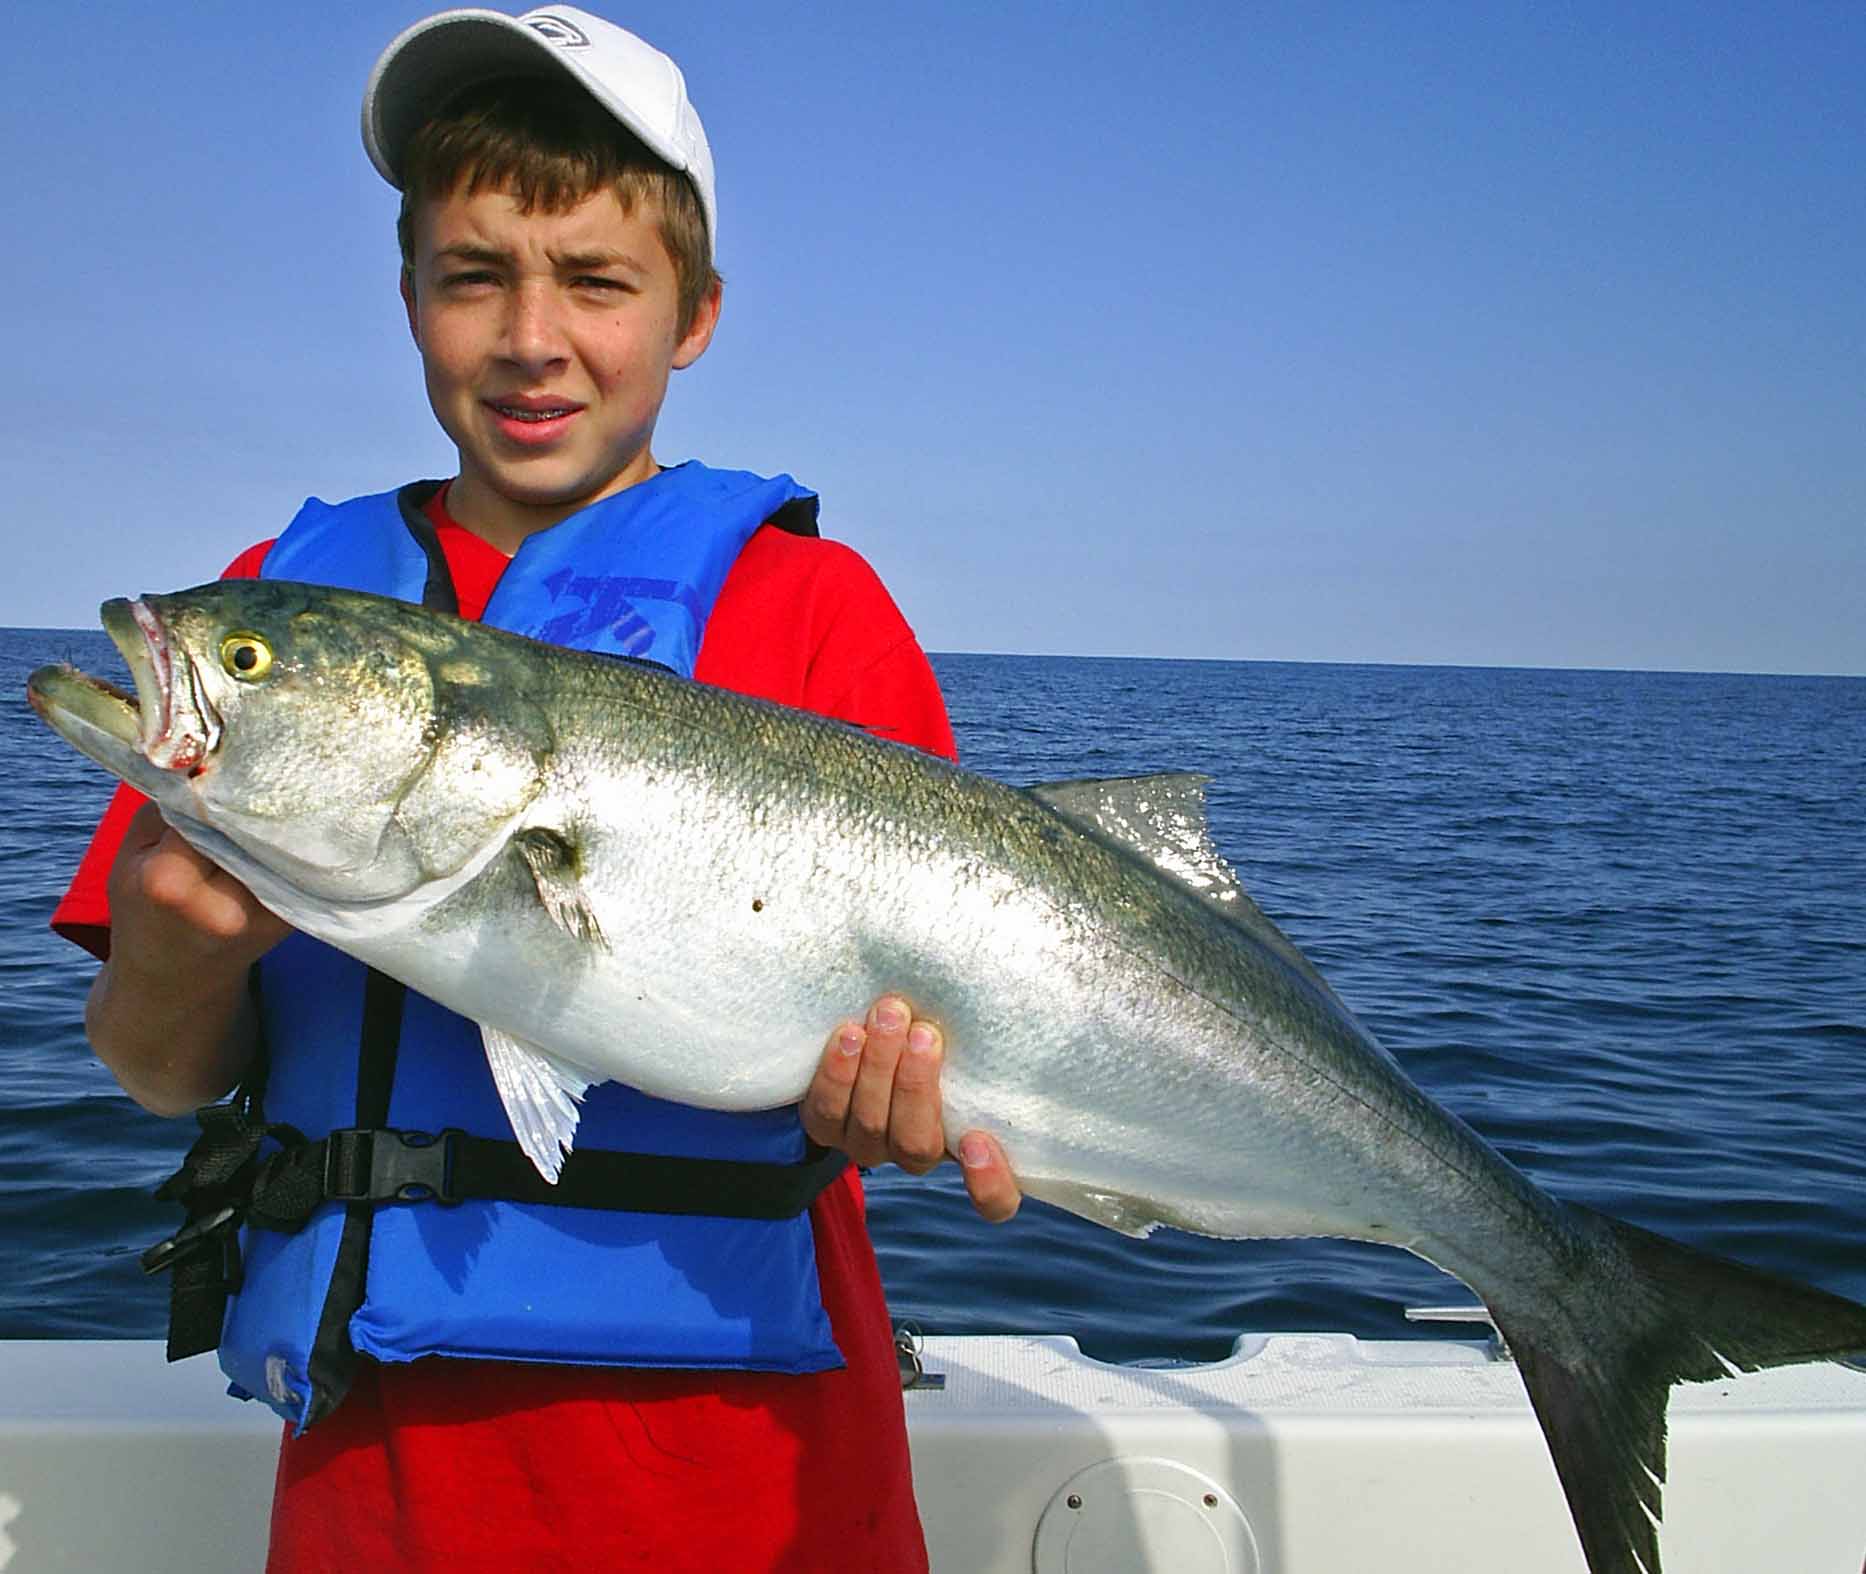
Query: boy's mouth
<point>531,419</point>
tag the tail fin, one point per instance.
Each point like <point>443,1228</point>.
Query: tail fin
<point>1646,1313</point>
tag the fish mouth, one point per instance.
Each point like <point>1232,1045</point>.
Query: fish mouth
<point>168,723</point>
<point>74,703</point>
<point>177,726</point>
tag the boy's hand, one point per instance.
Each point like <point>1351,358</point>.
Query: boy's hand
<point>169,1012</point>
<point>172,909</point>
<point>876,1097</point>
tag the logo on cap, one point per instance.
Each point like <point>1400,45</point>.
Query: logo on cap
<point>554,29</point>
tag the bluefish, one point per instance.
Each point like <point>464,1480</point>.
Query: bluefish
<point>621,874</point>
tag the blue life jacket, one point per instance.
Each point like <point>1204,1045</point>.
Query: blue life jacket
<point>635,574</point>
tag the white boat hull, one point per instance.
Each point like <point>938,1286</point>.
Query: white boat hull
<point>1302,1454</point>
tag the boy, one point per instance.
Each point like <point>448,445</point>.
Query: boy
<point>619,1389</point>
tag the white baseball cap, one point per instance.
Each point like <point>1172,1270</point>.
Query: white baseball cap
<point>631,79</point>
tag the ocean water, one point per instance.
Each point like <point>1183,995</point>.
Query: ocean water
<point>1617,920</point>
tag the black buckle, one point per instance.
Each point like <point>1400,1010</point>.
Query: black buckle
<point>366,1165</point>
<point>190,1238</point>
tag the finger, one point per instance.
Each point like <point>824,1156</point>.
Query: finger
<point>172,871</point>
<point>146,828</point>
<point>181,881</point>
<point>174,876</point>
<point>141,837</point>
<point>825,1110</point>
<point>988,1178</point>
<point>915,1140</point>
<point>866,1132</point>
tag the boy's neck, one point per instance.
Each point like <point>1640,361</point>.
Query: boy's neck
<point>506,523</point>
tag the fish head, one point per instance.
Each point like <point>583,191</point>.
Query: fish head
<point>309,740</point>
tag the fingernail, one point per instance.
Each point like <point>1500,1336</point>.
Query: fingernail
<point>890,1016</point>
<point>974,1151</point>
<point>849,1040</point>
<point>923,1039</point>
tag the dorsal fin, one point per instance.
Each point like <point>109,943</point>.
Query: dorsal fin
<point>1162,818</point>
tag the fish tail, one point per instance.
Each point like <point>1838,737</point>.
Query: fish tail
<point>1636,1314</point>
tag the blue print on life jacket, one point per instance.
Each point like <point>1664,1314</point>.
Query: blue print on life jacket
<point>601,604</point>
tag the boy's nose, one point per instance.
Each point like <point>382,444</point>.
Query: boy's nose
<point>535,331</point>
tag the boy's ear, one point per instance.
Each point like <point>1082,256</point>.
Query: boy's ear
<point>700,334</point>
<point>408,305</point>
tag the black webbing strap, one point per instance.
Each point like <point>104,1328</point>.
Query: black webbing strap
<point>223,1183</point>
<point>332,1362</point>
<point>204,1254</point>
<point>363,1166</point>
<point>651,1182</point>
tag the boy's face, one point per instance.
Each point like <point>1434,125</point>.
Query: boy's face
<point>547,339</point>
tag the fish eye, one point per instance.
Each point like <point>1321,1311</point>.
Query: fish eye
<point>246,656</point>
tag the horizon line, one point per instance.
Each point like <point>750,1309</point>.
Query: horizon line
<point>1260,661</point>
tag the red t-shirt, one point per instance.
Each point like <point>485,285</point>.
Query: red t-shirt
<point>461,1466</point>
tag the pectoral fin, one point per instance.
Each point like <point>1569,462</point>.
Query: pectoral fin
<point>540,1095</point>
<point>555,870</point>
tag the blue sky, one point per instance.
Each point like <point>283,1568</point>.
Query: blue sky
<point>1499,334</point>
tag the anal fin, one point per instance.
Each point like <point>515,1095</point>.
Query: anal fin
<point>1112,1210</point>
<point>540,1095</point>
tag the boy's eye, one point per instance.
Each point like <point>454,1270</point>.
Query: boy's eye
<point>468,277</point>
<point>596,281</point>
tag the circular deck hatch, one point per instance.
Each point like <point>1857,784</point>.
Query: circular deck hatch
<point>1143,1516</point>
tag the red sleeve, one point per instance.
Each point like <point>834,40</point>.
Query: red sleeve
<point>807,622</point>
<point>249,562</point>
<point>83,916</point>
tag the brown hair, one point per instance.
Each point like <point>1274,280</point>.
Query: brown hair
<point>551,147</point>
